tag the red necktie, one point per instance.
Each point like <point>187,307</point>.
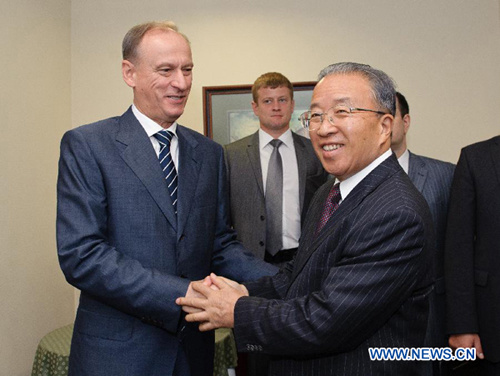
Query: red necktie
<point>331,204</point>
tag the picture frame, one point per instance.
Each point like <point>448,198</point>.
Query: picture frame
<point>228,114</point>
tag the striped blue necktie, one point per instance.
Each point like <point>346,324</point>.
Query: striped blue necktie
<point>167,164</point>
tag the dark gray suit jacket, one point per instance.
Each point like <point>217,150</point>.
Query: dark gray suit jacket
<point>472,262</point>
<point>362,282</point>
<point>248,207</point>
<point>121,244</point>
<point>433,179</point>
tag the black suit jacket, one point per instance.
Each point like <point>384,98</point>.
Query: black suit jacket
<point>248,206</point>
<point>472,262</point>
<point>362,282</point>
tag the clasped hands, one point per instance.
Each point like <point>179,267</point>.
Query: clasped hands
<point>211,302</point>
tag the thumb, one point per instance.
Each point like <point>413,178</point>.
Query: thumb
<point>219,282</point>
<point>479,348</point>
<point>207,281</point>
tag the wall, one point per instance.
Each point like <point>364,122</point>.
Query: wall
<point>61,64</point>
<point>443,54</point>
<point>34,110</point>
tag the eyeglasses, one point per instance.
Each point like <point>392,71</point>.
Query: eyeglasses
<point>335,115</point>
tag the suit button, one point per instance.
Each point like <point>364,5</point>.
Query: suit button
<point>181,238</point>
<point>261,243</point>
<point>262,218</point>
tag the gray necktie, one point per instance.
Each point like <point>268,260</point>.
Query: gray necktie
<point>274,200</point>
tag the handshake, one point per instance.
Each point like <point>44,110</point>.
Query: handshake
<point>211,302</point>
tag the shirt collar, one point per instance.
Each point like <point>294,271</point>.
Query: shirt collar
<point>404,160</point>
<point>150,126</point>
<point>265,138</point>
<point>349,184</point>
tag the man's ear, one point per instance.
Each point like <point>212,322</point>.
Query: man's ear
<point>386,123</point>
<point>128,73</point>
<point>254,108</point>
<point>406,122</point>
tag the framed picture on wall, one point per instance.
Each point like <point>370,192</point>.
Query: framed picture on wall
<point>228,114</point>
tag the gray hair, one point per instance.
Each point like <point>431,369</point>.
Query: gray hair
<point>383,87</point>
<point>134,36</point>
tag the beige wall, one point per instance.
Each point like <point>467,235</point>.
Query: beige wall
<point>61,68</point>
<point>35,108</point>
<point>443,54</point>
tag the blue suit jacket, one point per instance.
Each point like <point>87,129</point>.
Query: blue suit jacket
<point>121,244</point>
<point>362,282</point>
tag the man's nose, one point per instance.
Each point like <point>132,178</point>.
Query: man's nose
<point>180,80</point>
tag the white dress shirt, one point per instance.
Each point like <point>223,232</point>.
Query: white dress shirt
<point>291,202</point>
<point>349,184</point>
<point>151,128</point>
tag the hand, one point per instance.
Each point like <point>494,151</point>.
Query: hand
<point>469,340</point>
<point>216,308</point>
<point>233,284</point>
<point>191,293</point>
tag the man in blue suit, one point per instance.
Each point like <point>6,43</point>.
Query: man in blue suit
<point>361,276</point>
<point>133,231</point>
<point>433,179</point>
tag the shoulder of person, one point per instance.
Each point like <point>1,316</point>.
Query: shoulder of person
<point>481,146</point>
<point>433,162</point>
<point>240,144</point>
<point>197,137</point>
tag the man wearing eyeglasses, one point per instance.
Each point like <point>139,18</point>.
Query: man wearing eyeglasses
<point>361,277</point>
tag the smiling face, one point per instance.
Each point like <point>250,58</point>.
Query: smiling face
<point>274,109</point>
<point>161,76</point>
<point>346,148</point>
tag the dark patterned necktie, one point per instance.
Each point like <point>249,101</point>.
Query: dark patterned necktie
<point>331,204</point>
<point>167,164</point>
<point>274,200</point>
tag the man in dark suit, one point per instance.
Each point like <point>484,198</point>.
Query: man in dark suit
<point>248,171</point>
<point>361,275</point>
<point>133,231</point>
<point>432,178</point>
<point>472,265</point>
<point>250,174</point>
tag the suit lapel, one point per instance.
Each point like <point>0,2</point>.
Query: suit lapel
<point>300,152</point>
<point>308,237</point>
<point>495,156</point>
<point>189,170</point>
<point>253,154</point>
<point>141,158</point>
<point>311,242</point>
<point>417,171</point>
